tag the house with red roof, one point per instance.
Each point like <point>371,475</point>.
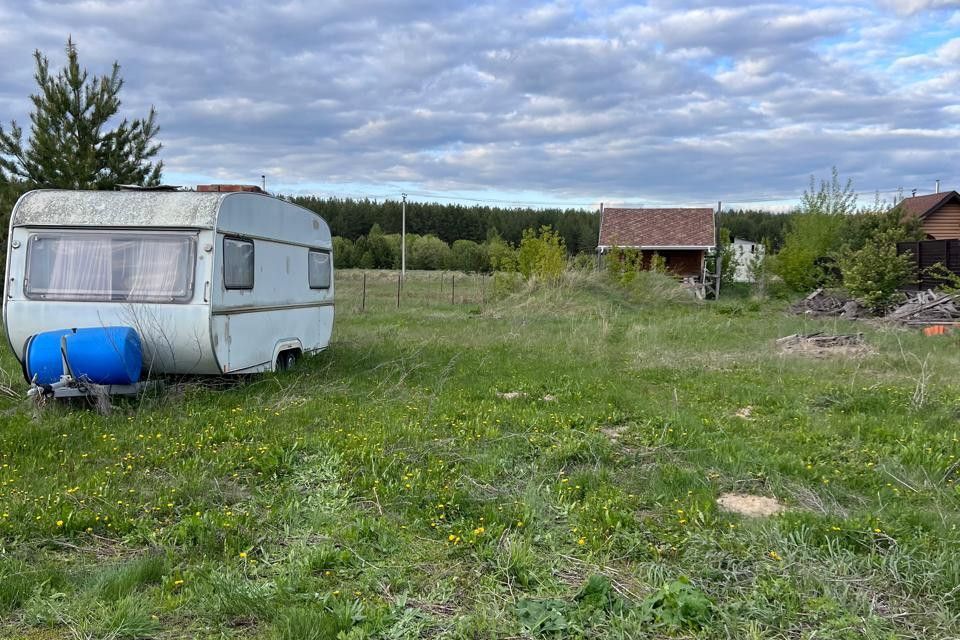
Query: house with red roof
<point>681,236</point>
<point>939,213</point>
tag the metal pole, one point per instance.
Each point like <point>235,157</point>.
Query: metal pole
<point>363,300</point>
<point>403,240</point>
<point>453,289</point>
<point>399,280</point>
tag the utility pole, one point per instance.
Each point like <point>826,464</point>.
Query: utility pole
<point>403,239</point>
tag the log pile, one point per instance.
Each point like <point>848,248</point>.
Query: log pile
<point>821,303</point>
<point>927,307</point>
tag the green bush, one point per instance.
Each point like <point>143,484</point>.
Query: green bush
<point>874,274</point>
<point>812,236</point>
<point>468,256</point>
<point>658,264</point>
<point>542,255</point>
<point>344,253</point>
<point>428,252</point>
<point>502,255</point>
<point>624,264</point>
<point>584,262</point>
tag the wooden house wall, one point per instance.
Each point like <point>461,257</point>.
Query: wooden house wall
<point>944,223</point>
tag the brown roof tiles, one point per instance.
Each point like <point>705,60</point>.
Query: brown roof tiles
<point>920,206</point>
<point>657,228</point>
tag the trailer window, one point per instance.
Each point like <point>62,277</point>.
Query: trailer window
<point>237,263</point>
<point>115,267</point>
<point>318,271</point>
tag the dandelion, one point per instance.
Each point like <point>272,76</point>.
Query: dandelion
<point>775,556</point>
<point>582,541</point>
<point>59,523</point>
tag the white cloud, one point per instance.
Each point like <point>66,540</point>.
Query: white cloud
<point>909,7</point>
<point>690,101</point>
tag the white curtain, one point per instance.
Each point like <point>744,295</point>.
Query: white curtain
<point>158,267</point>
<point>111,267</point>
<point>81,267</point>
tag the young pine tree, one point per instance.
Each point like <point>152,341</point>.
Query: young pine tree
<point>71,144</point>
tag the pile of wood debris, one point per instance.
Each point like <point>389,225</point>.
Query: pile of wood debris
<point>820,344</point>
<point>821,303</point>
<point>927,307</point>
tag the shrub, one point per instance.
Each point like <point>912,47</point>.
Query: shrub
<point>542,255</point>
<point>811,237</point>
<point>467,255</point>
<point>501,254</point>
<point>658,264</point>
<point>584,262</point>
<point>344,253</point>
<point>428,252</point>
<point>624,264</point>
<point>875,273</point>
<point>815,232</point>
<point>384,251</point>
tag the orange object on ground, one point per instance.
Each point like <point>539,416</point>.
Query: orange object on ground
<point>936,330</point>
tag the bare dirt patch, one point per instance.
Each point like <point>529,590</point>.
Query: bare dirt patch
<point>511,395</point>
<point>750,505</point>
<point>820,345</point>
<point>745,413</point>
<point>614,433</point>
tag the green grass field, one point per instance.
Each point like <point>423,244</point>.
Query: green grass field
<point>540,464</point>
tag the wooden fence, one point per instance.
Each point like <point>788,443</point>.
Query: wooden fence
<point>928,253</point>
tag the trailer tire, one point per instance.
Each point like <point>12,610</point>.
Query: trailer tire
<point>286,360</point>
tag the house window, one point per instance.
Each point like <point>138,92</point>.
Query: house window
<point>237,263</point>
<point>318,269</point>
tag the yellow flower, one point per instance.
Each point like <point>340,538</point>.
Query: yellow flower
<point>775,556</point>
<point>582,541</point>
<point>177,583</point>
<point>243,554</point>
<point>59,523</point>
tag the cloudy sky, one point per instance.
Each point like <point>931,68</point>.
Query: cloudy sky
<point>675,102</point>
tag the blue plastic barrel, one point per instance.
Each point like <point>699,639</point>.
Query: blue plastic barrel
<point>102,355</point>
<point>41,357</point>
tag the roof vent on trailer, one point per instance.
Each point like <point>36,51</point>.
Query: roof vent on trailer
<point>224,188</point>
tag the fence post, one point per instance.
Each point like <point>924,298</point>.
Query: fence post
<point>453,289</point>
<point>363,299</point>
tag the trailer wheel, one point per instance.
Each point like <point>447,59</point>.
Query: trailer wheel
<point>287,359</point>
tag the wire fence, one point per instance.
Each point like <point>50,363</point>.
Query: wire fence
<point>361,290</point>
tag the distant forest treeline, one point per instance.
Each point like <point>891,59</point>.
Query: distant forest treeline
<point>352,219</point>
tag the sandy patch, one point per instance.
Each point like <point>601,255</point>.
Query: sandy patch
<point>750,505</point>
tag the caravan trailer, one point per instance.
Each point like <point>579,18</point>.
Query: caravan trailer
<point>223,280</point>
